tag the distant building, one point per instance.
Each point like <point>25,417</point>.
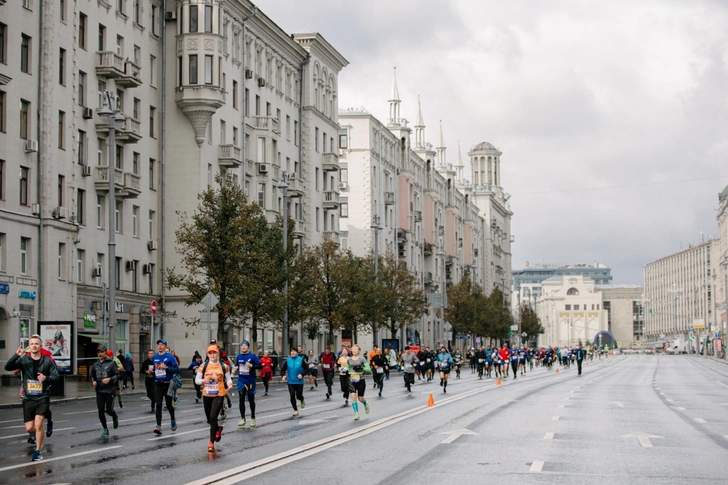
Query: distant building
<point>527,281</point>
<point>625,318</point>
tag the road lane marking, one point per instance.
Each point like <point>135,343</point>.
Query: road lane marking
<point>46,460</point>
<point>81,412</point>
<point>644,438</point>
<point>26,434</point>
<point>456,434</point>
<point>562,406</point>
<point>680,409</point>
<point>555,418</point>
<point>700,420</point>
<point>23,426</point>
<point>536,466</point>
<point>670,400</point>
<point>172,435</point>
<point>548,436</point>
<point>566,399</point>
<point>721,383</point>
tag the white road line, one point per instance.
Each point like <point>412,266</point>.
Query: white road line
<point>536,466</point>
<point>670,400</point>
<point>566,399</point>
<point>173,434</point>
<point>56,458</point>
<point>555,418</point>
<point>23,426</point>
<point>548,436</point>
<point>26,434</point>
<point>81,412</point>
<point>721,383</point>
<point>700,420</point>
<point>680,409</point>
<point>562,406</point>
<point>136,419</point>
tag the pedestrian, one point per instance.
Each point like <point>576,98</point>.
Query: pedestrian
<point>266,372</point>
<point>580,356</point>
<point>293,371</point>
<point>128,370</point>
<point>344,374</point>
<point>165,367</point>
<point>357,365</point>
<point>246,364</point>
<point>148,371</point>
<point>328,362</point>
<point>196,362</point>
<point>38,372</point>
<point>409,361</point>
<point>214,376</point>
<point>104,376</point>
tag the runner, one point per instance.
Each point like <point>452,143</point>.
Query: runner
<point>505,356</point>
<point>214,376</point>
<point>380,366</point>
<point>104,376</point>
<point>246,364</point>
<point>48,414</point>
<point>266,363</point>
<point>458,360</point>
<point>370,356</point>
<point>480,362</point>
<point>444,364</point>
<point>110,353</point>
<point>357,366</point>
<point>409,361</point>
<point>196,362</point>
<point>312,364</point>
<point>39,372</point>
<point>489,361</point>
<point>328,363</point>
<point>522,356</point>
<point>515,356</point>
<point>148,370</point>
<point>165,366</point>
<point>293,371</point>
<point>344,374</point>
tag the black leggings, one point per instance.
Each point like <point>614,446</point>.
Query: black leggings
<point>344,381</point>
<point>251,400</point>
<point>266,380</point>
<point>212,406</point>
<point>160,392</point>
<point>409,379</point>
<point>105,405</point>
<point>329,379</point>
<point>129,376</point>
<point>296,392</point>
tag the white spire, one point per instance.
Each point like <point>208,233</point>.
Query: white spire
<point>441,157</point>
<point>442,139</point>
<point>394,118</point>
<point>420,120</point>
<point>460,165</point>
<point>419,127</point>
<point>395,90</point>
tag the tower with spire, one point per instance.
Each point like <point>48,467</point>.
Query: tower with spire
<point>394,102</point>
<point>419,127</point>
<point>441,149</point>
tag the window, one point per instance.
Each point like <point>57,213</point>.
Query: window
<point>2,111</point>
<point>99,265</point>
<point>343,139</point>
<point>192,69</point>
<point>82,22</point>
<point>61,261</point>
<point>2,179</point>
<point>316,180</point>
<point>81,88</point>
<point>119,46</point>
<point>80,258</point>
<point>135,163</point>
<point>3,43</point>
<point>150,279</point>
<point>567,307</point>
<point>118,215</point>
<point>151,224</point>
<point>152,120</point>
<point>208,18</point>
<point>24,119</point>
<point>223,129</point>
<point>135,276</point>
<point>208,69</point>
<point>344,211</point>
<point>246,102</point>
<point>25,54</point>
<point>288,128</point>
<point>135,221</point>
<point>180,70</point>
<point>261,195</point>
<point>193,18</point>
<point>153,21</point>
<point>268,110</point>
<point>61,188</point>
<point>101,159</point>
<point>235,94</point>
<point>24,185</point>
<point>152,163</point>
<point>137,55</point>
<point>99,212</point>
<point>102,38</point>
<point>344,175</point>
<point>2,253</point>
<point>152,71</point>
<point>318,216</point>
<point>257,105</point>
<point>120,4</point>
<point>118,273</point>
<point>295,132</point>
<point>316,140</point>
<point>137,12</point>
<point>24,255</point>
<point>576,307</point>
<point>81,207</point>
<point>136,108</point>
<point>235,135</point>
<point>27,4</point>
<point>62,10</point>
<point>119,164</point>
<point>62,67</point>
<point>261,150</point>
<point>61,129</point>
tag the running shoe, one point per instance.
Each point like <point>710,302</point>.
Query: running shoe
<point>315,383</point>
<point>49,428</point>
<point>295,414</point>
<point>409,393</point>
<point>252,422</point>
<point>241,423</point>
<point>311,388</point>
<point>197,399</point>
<point>223,415</point>
<point>174,425</point>
<point>121,403</point>
<point>210,446</point>
<point>115,417</point>
<point>218,433</point>
<point>31,439</point>
<point>328,396</point>
<point>356,416</point>
<point>303,404</point>
<point>380,393</point>
<point>37,456</point>
<point>346,403</point>
<point>175,401</point>
<point>157,430</point>
<point>105,433</point>
<point>366,408</point>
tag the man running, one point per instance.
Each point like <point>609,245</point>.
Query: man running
<point>104,376</point>
<point>312,363</point>
<point>408,361</point>
<point>480,362</point>
<point>165,366</point>
<point>580,355</point>
<point>266,372</point>
<point>344,374</point>
<point>515,355</point>
<point>328,363</point>
<point>246,363</point>
<point>357,365</point>
<point>293,371</point>
<point>444,364</point>
<point>505,357</point>
<point>379,366</point>
<point>214,377</point>
<point>458,360</point>
<point>148,370</point>
<point>39,372</point>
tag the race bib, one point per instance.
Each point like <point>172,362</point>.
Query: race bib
<point>244,371</point>
<point>344,370</point>
<point>151,368</point>
<point>34,388</point>
<point>211,388</point>
<point>355,378</point>
<point>160,372</point>
<point>481,360</point>
<point>327,366</point>
<point>311,366</point>
<point>380,370</point>
<point>408,366</point>
<point>444,365</point>
<point>428,361</point>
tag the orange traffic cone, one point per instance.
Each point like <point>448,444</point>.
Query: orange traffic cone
<point>498,382</point>
<point>557,370</point>
<point>430,402</point>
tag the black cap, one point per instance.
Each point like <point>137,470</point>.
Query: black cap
<point>101,348</point>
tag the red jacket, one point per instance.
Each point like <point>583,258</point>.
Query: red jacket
<point>504,354</point>
<point>267,364</point>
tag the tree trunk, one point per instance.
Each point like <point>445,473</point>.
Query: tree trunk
<point>254,333</point>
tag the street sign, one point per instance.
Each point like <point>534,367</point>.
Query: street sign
<point>711,334</point>
<point>209,301</point>
<point>154,307</point>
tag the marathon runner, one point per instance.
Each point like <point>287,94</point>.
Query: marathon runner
<point>379,366</point>
<point>165,366</point>
<point>214,377</point>
<point>246,364</point>
<point>408,361</point>
<point>104,376</point>
<point>148,370</point>
<point>266,372</point>
<point>357,366</point>
<point>444,364</point>
<point>344,374</point>
<point>293,371</point>
<point>328,363</point>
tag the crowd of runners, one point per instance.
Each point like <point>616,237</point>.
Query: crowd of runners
<point>214,373</point>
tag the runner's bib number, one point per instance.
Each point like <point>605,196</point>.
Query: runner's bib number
<point>408,366</point>
<point>481,360</point>
<point>160,372</point>
<point>244,371</point>
<point>380,370</point>
<point>35,388</point>
<point>444,364</point>
<point>355,378</point>
<point>211,388</point>
<point>311,366</point>
<point>327,366</point>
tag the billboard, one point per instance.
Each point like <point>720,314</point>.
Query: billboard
<point>57,338</point>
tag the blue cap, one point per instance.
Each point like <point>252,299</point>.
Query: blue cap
<point>161,340</point>
<point>245,342</point>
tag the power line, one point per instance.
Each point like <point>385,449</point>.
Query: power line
<point>631,186</point>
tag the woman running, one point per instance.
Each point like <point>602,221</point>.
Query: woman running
<point>344,374</point>
<point>266,371</point>
<point>214,377</point>
<point>293,371</point>
<point>444,364</point>
<point>458,360</point>
<point>357,366</point>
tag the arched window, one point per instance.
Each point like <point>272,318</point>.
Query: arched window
<point>572,292</point>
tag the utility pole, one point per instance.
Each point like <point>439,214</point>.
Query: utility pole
<point>283,185</point>
<point>376,227</point>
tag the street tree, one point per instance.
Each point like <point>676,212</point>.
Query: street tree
<point>530,322</point>
<point>462,309</point>
<point>401,300</point>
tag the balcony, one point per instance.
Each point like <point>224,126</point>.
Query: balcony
<point>450,260</point>
<point>428,249</point>
<point>427,276</point>
<point>389,198</point>
<point>101,180</point>
<point>299,229</point>
<point>132,186</point>
<point>295,186</point>
<point>418,216</point>
<point>330,162</point>
<point>229,156</point>
<point>112,66</point>
<point>266,123</point>
<point>332,236</point>
<point>130,131</point>
<point>331,200</point>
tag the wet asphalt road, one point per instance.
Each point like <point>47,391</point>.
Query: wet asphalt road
<point>628,419</point>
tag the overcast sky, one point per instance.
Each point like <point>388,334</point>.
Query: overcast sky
<point>611,116</point>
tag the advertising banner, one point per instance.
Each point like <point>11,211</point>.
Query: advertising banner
<point>57,338</point>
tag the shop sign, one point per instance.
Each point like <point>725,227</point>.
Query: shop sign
<point>89,320</point>
<point>4,288</point>
<point>30,295</point>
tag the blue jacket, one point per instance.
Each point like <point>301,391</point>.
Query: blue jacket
<point>247,376</point>
<point>292,367</point>
<point>165,375</point>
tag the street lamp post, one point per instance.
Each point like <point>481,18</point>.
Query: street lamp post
<point>645,302</point>
<point>675,291</point>
<point>283,185</point>
<point>110,111</point>
<point>376,227</point>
